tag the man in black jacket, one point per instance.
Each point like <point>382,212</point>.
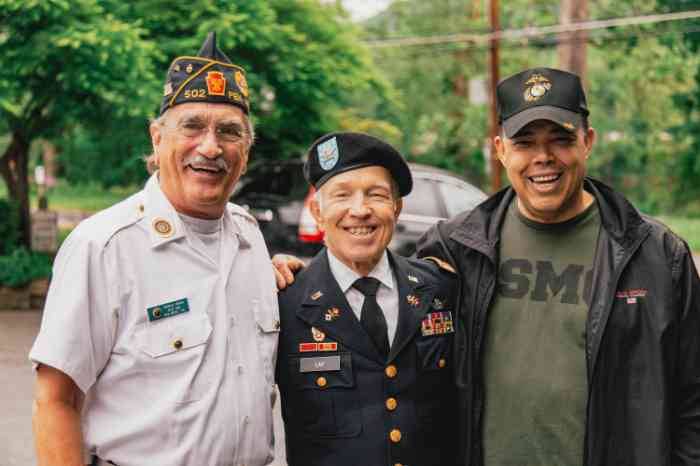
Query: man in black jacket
<point>578,337</point>
<point>365,350</point>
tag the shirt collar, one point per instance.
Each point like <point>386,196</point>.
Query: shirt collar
<point>345,276</point>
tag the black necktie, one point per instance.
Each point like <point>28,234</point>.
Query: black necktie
<point>372,317</point>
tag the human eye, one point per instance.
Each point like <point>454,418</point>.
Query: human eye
<point>191,127</point>
<point>230,132</point>
<point>522,143</point>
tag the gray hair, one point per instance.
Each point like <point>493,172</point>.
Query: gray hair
<point>150,159</point>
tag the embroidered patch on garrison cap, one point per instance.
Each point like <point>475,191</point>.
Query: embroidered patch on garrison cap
<point>216,83</point>
<point>328,154</point>
<point>166,310</point>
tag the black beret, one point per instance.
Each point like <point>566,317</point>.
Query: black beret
<point>337,153</point>
<point>540,94</point>
<point>208,77</point>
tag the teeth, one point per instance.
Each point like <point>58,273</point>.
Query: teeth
<point>544,179</point>
<point>360,231</point>
<point>206,169</point>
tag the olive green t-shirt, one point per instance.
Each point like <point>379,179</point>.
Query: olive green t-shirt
<point>534,361</point>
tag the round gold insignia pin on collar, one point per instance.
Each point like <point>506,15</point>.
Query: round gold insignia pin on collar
<point>162,227</point>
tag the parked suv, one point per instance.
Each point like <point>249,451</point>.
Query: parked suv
<point>277,194</point>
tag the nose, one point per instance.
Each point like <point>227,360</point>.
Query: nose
<point>543,155</point>
<point>358,206</point>
<point>209,145</point>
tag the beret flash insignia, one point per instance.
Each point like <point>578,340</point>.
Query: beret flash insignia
<point>537,86</point>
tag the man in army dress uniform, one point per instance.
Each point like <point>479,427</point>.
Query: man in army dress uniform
<point>365,356</point>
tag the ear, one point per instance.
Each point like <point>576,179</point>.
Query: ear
<point>156,136</point>
<point>499,144</point>
<point>398,205</point>
<point>589,140</point>
<point>315,210</point>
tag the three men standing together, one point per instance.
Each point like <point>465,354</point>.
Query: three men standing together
<point>569,320</point>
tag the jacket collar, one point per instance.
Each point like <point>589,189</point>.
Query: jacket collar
<point>324,306</point>
<point>481,229</point>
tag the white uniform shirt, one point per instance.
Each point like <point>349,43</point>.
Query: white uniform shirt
<point>208,403</point>
<point>387,294</point>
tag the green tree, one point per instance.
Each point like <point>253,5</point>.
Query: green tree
<point>63,61</point>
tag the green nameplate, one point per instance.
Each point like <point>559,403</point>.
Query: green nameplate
<point>170,309</point>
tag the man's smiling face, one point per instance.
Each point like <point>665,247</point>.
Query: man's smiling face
<point>201,151</point>
<point>546,165</point>
<point>358,210</point>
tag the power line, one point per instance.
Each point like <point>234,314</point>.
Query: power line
<point>534,32</point>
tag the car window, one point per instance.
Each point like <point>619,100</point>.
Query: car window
<point>459,198</point>
<point>423,199</point>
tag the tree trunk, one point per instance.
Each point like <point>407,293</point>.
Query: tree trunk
<point>13,168</point>
<point>572,45</point>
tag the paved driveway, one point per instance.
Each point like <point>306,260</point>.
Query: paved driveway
<point>17,333</point>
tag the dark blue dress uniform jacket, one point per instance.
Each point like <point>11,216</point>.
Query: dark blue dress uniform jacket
<point>370,411</point>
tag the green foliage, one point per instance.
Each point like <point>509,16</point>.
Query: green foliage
<point>686,228</point>
<point>634,74</point>
<point>21,267</point>
<point>9,221</point>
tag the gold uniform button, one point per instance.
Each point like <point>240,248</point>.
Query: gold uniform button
<point>390,371</point>
<point>177,344</point>
<point>398,464</point>
<point>321,381</point>
<point>391,404</point>
<point>442,363</point>
<point>395,435</point>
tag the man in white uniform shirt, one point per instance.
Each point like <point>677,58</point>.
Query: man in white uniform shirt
<point>159,335</point>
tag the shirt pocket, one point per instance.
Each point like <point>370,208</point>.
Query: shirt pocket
<point>325,403</point>
<point>434,352</point>
<point>175,350</point>
<point>268,328</point>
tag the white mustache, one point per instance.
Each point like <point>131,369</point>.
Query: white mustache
<point>199,161</point>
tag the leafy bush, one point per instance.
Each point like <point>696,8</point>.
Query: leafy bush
<point>9,226</point>
<point>21,267</point>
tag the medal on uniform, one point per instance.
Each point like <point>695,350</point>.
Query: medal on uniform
<point>317,334</point>
<point>413,300</point>
<point>332,314</point>
<point>437,323</point>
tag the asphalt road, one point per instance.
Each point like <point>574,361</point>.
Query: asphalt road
<point>17,333</point>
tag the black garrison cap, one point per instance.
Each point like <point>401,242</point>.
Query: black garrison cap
<point>208,77</point>
<point>540,94</point>
<point>337,153</point>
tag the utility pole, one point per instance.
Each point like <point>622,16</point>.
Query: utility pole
<point>572,45</point>
<point>493,123</point>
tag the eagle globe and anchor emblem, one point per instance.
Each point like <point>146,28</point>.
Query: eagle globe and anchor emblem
<point>537,86</point>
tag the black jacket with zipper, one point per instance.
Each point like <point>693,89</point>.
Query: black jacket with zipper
<point>643,332</point>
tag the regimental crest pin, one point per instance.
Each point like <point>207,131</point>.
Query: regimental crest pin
<point>316,295</point>
<point>413,278</point>
<point>216,83</point>
<point>413,300</point>
<point>536,87</point>
<point>332,314</point>
<point>163,228</point>
<point>189,68</point>
<point>317,334</point>
<point>328,154</point>
<point>438,304</point>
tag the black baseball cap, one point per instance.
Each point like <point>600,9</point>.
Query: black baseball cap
<point>541,94</point>
<point>340,152</point>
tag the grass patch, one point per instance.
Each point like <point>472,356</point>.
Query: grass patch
<point>686,228</point>
<point>89,197</point>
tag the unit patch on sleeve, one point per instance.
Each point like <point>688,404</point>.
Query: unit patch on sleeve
<point>437,323</point>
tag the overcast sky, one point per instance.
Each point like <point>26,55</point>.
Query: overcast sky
<point>363,9</point>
